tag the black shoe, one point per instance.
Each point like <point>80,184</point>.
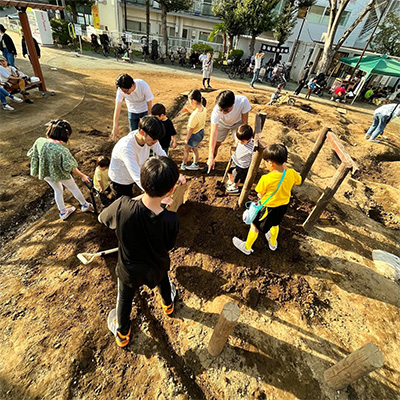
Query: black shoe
<point>29,101</point>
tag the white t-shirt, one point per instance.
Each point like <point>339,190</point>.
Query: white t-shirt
<point>257,62</point>
<point>128,157</point>
<point>241,106</point>
<point>4,75</point>
<point>387,110</point>
<point>137,100</point>
<point>243,154</point>
<point>202,57</point>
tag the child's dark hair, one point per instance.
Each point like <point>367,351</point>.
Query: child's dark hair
<point>152,127</point>
<point>124,81</point>
<point>225,99</point>
<point>59,130</point>
<point>276,153</point>
<point>158,176</point>
<point>103,161</point>
<point>196,95</point>
<point>244,132</point>
<point>158,109</point>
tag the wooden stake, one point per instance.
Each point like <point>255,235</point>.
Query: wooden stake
<point>178,196</point>
<point>313,155</point>
<point>360,363</point>
<point>227,321</point>
<point>255,161</point>
<point>329,192</point>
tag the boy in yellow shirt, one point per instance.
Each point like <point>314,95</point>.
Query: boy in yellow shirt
<point>101,181</point>
<point>270,216</point>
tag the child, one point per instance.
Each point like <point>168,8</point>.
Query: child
<point>196,124</point>
<point>241,159</point>
<point>51,161</point>
<point>270,216</point>
<point>101,180</point>
<point>311,88</point>
<point>276,95</point>
<point>158,110</point>
<point>146,232</point>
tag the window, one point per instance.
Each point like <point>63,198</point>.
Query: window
<point>171,32</point>
<point>345,18</point>
<point>184,33</point>
<point>134,26</point>
<point>204,36</point>
<point>315,13</point>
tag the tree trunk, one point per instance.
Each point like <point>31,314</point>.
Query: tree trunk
<point>327,56</point>
<point>252,43</point>
<point>237,41</point>
<point>74,11</point>
<point>148,21</point>
<point>230,44</point>
<point>224,44</point>
<point>164,26</point>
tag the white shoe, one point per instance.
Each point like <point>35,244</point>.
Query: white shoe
<point>183,167</point>
<point>87,207</point>
<point>193,167</point>
<point>271,246</point>
<point>8,107</point>
<point>374,140</point>
<point>66,213</point>
<point>17,99</point>
<point>241,245</point>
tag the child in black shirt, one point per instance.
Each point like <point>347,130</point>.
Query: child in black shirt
<point>158,110</point>
<point>146,232</point>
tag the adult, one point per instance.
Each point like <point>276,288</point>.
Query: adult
<point>145,47</point>
<point>339,94</point>
<point>7,46</point>
<point>229,113</point>
<point>257,67</point>
<point>138,98</point>
<point>203,56</point>
<point>207,71</point>
<point>11,79</point>
<point>131,152</point>
<point>393,94</point>
<point>194,59</point>
<point>303,78</point>
<point>382,116</point>
<point>25,51</point>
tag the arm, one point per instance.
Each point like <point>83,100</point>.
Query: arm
<point>84,177</point>
<point>131,163</point>
<point>245,118</point>
<point>108,216</point>
<point>211,147</point>
<point>115,129</point>
<point>149,106</point>
<point>174,143</point>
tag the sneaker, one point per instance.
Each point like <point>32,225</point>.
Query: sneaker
<point>229,183</point>
<point>120,339</point>
<point>183,167</point>
<point>374,140</point>
<point>88,207</point>
<point>17,99</point>
<point>193,167</point>
<point>67,212</point>
<point>8,107</point>
<point>271,246</point>
<point>29,101</point>
<point>209,87</point>
<point>168,310</point>
<point>241,245</point>
<point>251,86</point>
<point>366,137</point>
<point>232,189</point>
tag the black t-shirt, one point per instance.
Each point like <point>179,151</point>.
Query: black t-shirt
<point>169,132</point>
<point>144,240</point>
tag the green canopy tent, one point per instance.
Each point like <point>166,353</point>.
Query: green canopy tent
<point>373,65</point>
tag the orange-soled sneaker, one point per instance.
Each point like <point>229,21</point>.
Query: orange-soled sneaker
<point>120,339</point>
<point>168,310</point>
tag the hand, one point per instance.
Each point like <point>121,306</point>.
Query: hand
<point>181,179</point>
<point>256,138</point>
<point>85,178</point>
<point>167,201</point>
<point>115,134</point>
<point>185,141</point>
<point>174,145</point>
<point>185,110</point>
<point>210,163</point>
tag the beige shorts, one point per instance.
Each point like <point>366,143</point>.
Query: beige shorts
<point>223,130</point>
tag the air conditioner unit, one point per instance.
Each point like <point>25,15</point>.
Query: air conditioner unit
<point>323,37</point>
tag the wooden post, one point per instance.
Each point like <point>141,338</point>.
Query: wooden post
<point>227,321</point>
<point>314,153</point>
<point>363,361</point>
<point>326,196</point>
<point>178,196</point>
<point>255,161</point>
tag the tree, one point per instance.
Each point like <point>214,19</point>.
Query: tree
<point>229,12</point>
<point>387,40</point>
<point>336,10</point>
<point>166,7</point>
<point>219,29</point>
<point>72,7</point>
<point>259,16</point>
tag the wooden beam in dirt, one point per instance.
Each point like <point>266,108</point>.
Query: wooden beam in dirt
<point>359,363</point>
<point>341,151</point>
<point>26,4</point>
<point>178,196</point>
<point>227,321</point>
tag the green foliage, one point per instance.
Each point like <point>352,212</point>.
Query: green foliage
<point>59,28</point>
<point>231,16</point>
<point>218,29</point>
<point>387,40</point>
<point>200,47</point>
<point>236,54</point>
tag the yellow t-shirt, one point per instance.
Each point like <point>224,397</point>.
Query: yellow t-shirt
<point>197,120</point>
<point>269,182</point>
<point>100,175</point>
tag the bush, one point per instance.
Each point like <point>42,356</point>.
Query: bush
<point>236,54</point>
<point>59,28</point>
<point>200,47</point>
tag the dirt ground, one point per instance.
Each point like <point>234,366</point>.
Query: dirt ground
<point>304,307</point>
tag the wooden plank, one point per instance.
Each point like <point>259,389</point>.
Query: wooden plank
<point>341,151</point>
<point>178,196</point>
<point>25,4</point>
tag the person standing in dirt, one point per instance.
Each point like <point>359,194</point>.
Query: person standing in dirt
<point>54,163</point>
<point>146,232</point>
<point>7,46</point>
<point>304,78</point>
<point>138,98</point>
<point>274,190</point>
<point>229,113</point>
<point>382,116</point>
<point>257,67</point>
<point>207,71</point>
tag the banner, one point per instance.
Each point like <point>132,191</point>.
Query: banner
<point>96,18</point>
<point>40,26</point>
<point>274,49</point>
